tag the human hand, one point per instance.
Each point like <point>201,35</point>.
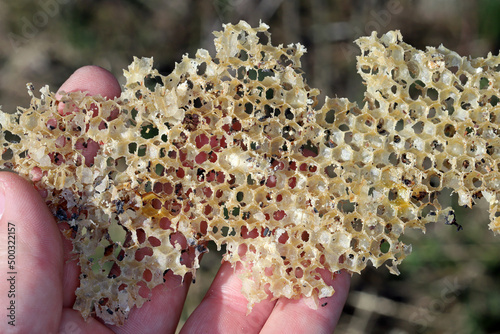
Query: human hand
<point>46,276</point>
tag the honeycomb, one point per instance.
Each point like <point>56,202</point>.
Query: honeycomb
<point>234,149</point>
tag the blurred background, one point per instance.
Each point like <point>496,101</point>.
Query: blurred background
<point>451,282</point>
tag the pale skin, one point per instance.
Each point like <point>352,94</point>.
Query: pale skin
<point>46,277</point>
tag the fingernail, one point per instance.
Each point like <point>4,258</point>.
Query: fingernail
<point>2,200</point>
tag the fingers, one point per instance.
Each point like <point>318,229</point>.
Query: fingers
<point>295,316</point>
<point>92,79</point>
<point>224,308</point>
<point>31,283</point>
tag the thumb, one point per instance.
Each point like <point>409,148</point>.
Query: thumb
<point>31,260</point>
